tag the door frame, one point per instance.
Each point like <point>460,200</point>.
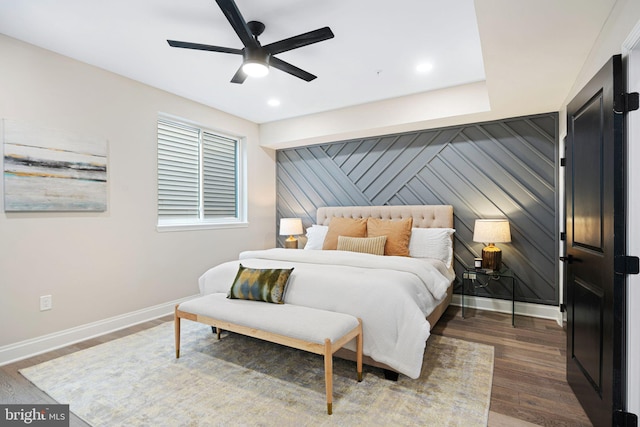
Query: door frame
<point>631,57</point>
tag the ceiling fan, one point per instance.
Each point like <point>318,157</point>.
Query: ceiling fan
<point>258,58</point>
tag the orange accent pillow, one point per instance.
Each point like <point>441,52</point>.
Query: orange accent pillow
<point>398,234</point>
<point>349,227</point>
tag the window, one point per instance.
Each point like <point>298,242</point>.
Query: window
<point>199,178</point>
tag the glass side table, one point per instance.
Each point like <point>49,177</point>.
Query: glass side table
<point>481,278</point>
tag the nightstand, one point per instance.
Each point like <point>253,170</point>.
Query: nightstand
<point>475,278</point>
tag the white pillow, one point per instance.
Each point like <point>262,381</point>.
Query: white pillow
<point>315,236</point>
<point>432,243</point>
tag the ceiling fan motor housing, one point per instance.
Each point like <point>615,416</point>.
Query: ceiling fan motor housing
<point>256,62</point>
<point>256,55</point>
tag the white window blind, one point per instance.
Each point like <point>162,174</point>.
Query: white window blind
<point>178,171</point>
<point>198,175</point>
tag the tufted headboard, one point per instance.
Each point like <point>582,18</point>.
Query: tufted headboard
<point>424,216</point>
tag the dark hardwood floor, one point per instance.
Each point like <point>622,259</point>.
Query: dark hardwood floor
<point>529,383</point>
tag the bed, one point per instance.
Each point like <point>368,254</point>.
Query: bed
<point>398,298</point>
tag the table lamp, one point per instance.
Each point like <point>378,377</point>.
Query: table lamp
<point>291,227</point>
<point>491,231</point>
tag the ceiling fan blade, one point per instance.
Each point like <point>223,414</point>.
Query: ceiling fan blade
<point>239,77</point>
<point>238,23</point>
<point>300,40</point>
<point>291,69</point>
<point>198,46</point>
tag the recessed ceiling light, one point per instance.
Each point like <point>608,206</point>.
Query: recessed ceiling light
<point>424,67</point>
<point>273,102</point>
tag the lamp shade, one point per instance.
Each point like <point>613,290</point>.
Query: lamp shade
<point>491,231</point>
<point>290,226</point>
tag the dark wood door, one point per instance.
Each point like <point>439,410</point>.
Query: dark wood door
<point>596,227</point>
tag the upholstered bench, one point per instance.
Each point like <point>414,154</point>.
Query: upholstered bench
<point>309,329</point>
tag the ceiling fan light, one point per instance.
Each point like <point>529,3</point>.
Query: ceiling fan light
<point>254,68</point>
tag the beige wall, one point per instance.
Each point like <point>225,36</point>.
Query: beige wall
<point>100,265</point>
<point>445,107</point>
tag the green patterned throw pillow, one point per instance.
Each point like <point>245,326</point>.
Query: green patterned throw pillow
<point>260,284</point>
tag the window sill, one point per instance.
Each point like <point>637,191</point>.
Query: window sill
<point>191,226</point>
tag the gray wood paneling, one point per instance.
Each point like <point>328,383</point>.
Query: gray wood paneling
<point>506,168</point>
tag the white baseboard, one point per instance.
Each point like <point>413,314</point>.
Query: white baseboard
<point>32,347</point>
<point>551,312</point>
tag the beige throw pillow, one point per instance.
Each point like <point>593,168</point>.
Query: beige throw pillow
<point>367,245</point>
<point>398,234</point>
<point>349,227</point>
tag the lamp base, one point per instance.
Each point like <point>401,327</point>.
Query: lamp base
<point>491,257</point>
<point>291,243</point>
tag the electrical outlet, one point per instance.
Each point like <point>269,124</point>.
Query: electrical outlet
<point>46,302</point>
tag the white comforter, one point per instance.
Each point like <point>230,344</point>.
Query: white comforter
<point>392,295</point>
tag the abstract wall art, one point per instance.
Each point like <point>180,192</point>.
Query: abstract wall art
<point>52,170</point>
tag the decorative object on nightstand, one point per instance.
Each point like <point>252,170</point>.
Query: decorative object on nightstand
<point>491,231</point>
<point>291,227</point>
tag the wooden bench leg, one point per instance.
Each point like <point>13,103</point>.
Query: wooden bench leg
<point>328,374</point>
<point>359,353</point>
<point>176,323</point>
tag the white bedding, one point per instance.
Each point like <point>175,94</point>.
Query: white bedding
<point>392,295</point>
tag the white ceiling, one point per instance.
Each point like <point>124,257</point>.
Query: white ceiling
<point>528,49</point>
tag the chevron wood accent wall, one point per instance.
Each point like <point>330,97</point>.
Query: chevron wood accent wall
<point>501,169</point>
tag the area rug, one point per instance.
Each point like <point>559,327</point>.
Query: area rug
<point>242,381</point>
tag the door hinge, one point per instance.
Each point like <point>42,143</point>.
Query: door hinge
<point>563,235</point>
<point>563,308</point>
<point>563,162</point>
<point>626,102</point>
<point>625,419</point>
<point>625,264</point>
